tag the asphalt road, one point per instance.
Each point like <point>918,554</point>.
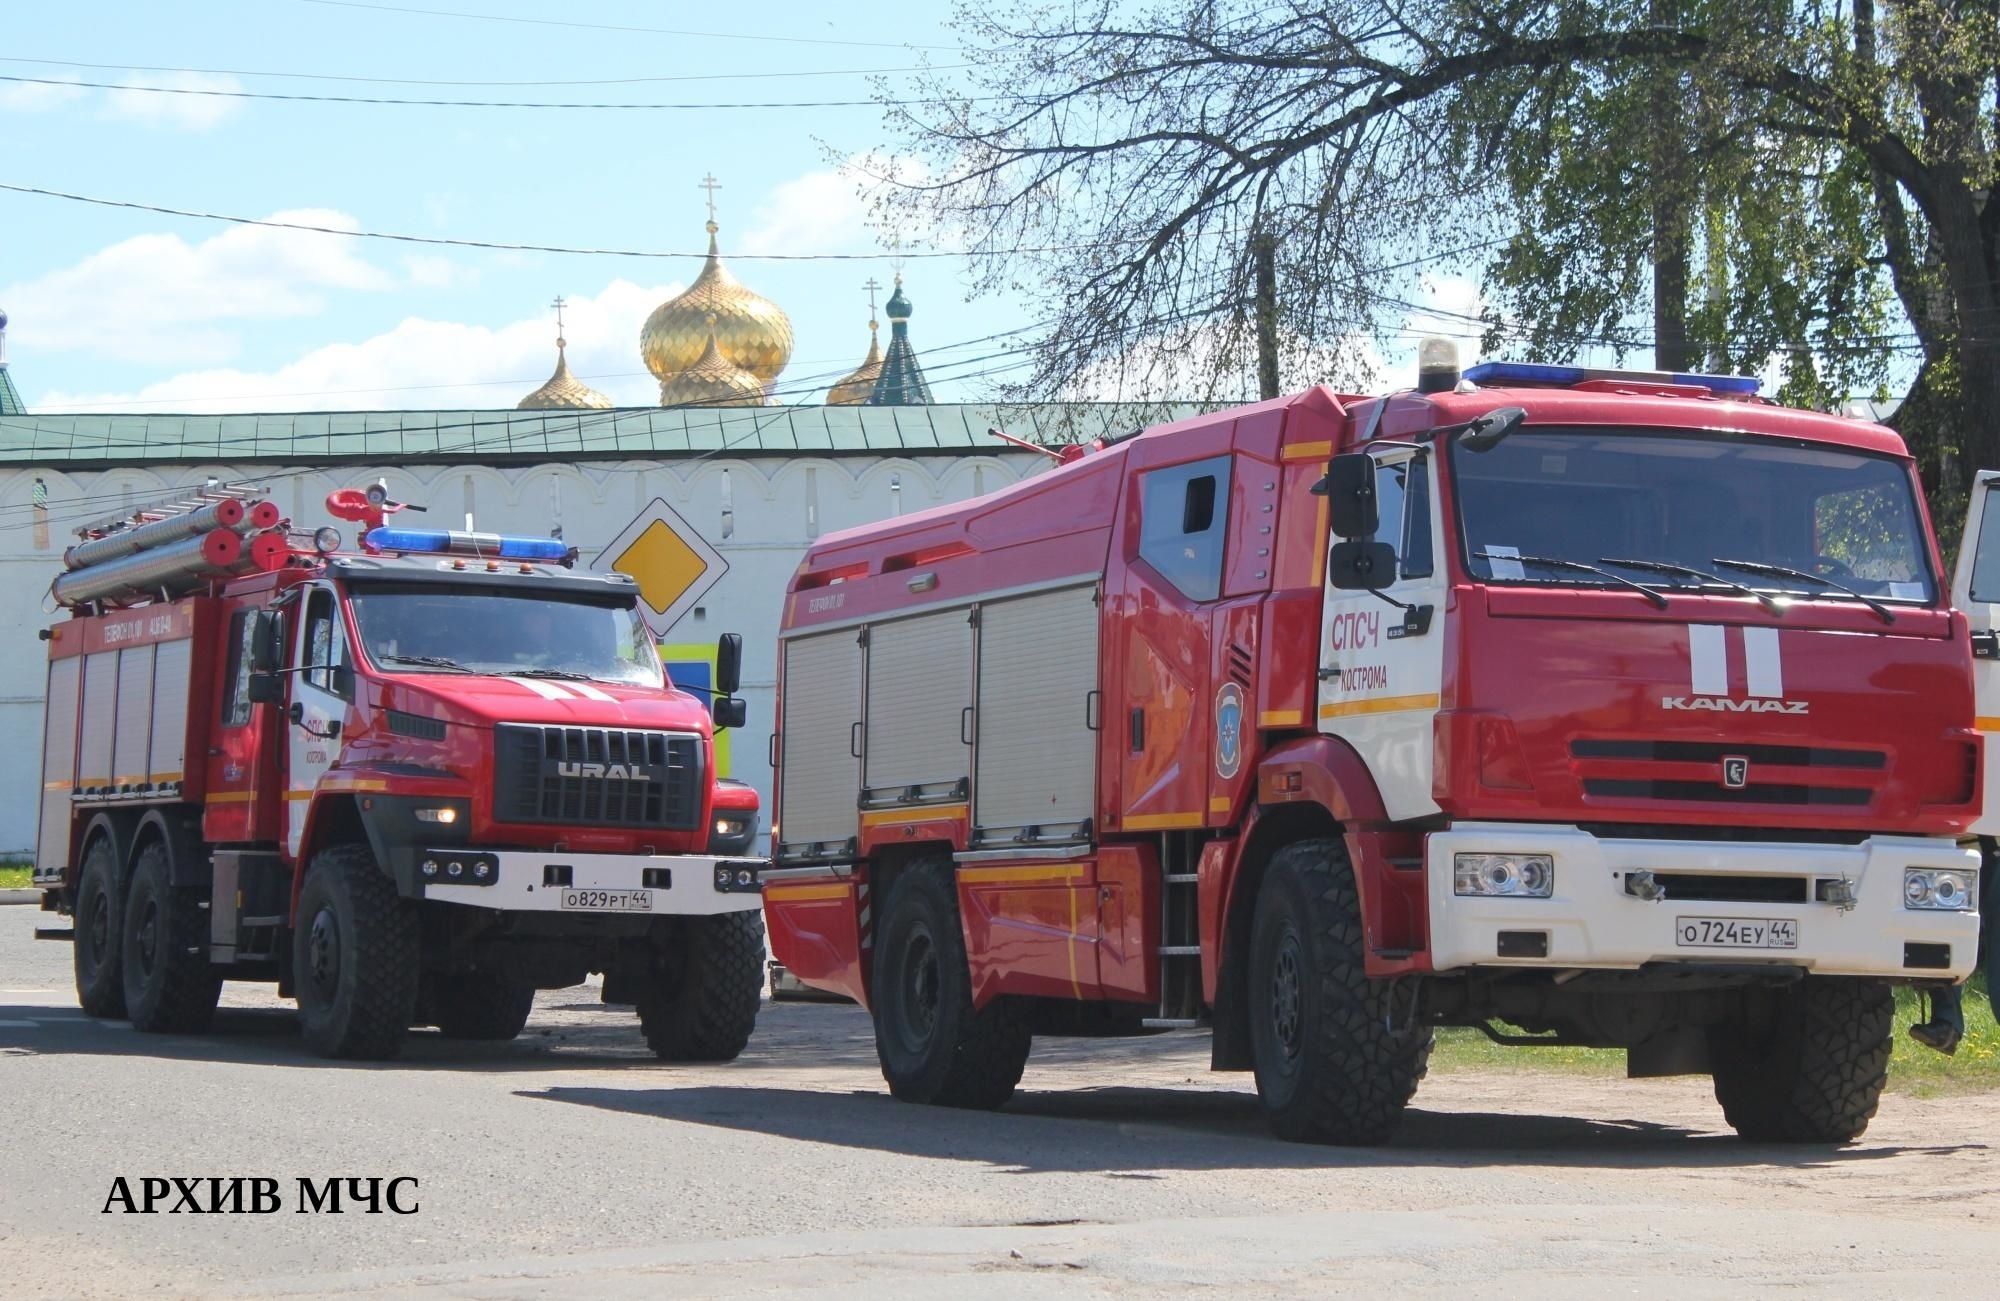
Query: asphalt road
<point>570,1163</point>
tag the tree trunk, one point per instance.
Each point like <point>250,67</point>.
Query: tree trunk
<point>1670,167</point>
<point>1264,257</point>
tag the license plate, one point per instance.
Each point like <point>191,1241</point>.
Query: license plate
<point>1736,933</point>
<point>608,901</point>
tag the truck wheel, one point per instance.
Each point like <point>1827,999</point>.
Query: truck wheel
<point>700,1003</point>
<point>170,988</point>
<point>354,957</point>
<point>933,1046</point>
<point>100,986</point>
<point>1811,1069</point>
<point>1329,1070</point>
<point>478,1005</point>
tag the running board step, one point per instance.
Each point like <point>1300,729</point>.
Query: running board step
<point>1173,1022</point>
<point>1182,878</point>
<point>1180,950</point>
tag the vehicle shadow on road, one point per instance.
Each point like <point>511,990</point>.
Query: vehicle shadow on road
<point>1124,1131</point>
<point>571,1032</point>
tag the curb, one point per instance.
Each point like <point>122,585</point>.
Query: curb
<point>20,896</point>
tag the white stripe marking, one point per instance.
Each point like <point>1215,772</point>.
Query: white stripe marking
<point>546,690</point>
<point>589,692</point>
<point>1708,659</point>
<point>1760,656</point>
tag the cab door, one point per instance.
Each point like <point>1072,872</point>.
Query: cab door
<point>1975,589</point>
<point>322,683</point>
<point>243,803</point>
<point>1381,662</point>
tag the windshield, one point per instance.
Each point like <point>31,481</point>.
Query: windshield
<point>444,630</point>
<point>1565,507</point>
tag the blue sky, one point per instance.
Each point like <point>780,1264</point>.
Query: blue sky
<point>118,310</point>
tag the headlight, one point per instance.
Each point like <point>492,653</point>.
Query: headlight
<point>728,826</point>
<point>1524,876</point>
<point>1938,889</point>
<point>445,815</point>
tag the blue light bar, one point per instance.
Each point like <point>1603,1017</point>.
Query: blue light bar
<point>452,542</point>
<point>1528,372</point>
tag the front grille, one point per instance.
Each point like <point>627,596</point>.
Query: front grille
<point>1718,887</point>
<point>1717,793</point>
<point>1791,756</point>
<point>596,776</point>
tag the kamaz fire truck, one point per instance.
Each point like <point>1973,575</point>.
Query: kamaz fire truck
<point>1593,708</point>
<point>411,784</point>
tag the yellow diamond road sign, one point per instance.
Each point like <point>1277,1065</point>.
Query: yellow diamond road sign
<point>673,564</point>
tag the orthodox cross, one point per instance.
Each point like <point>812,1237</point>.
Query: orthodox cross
<point>710,184</point>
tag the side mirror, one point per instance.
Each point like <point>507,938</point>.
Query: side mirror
<point>729,711</point>
<point>729,662</point>
<point>342,678</point>
<point>265,688</point>
<point>1361,566</point>
<point>1349,488</point>
<point>1485,433</point>
<point>267,642</point>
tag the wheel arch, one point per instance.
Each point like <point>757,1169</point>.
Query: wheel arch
<point>1271,828</point>
<point>117,827</point>
<point>333,819</point>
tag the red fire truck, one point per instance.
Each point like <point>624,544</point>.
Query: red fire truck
<point>411,784</point>
<point>1585,708</point>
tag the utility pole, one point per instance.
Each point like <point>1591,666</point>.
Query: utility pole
<point>1263,259</point>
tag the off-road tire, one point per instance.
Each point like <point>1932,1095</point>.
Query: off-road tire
<point>1329,1069</point>
<point>933,1046</point>
<point>354,957</point>
<point>1808,1065</point>
<point>170,987</point>
<point>699,1003</point>
<point>477,1005</point>
<point>99,940</point>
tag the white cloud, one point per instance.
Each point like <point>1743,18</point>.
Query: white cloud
<point>38,97</point>
<point>423,363</point>
<point>174,112</point>
<point>159,299</point>
<point>825,211</point>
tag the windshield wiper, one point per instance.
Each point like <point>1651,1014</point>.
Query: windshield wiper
<point>1786,571</point>
<point>1768,601</point>
<point>565,674</point>
<point>1653,594</point>
<point>427,661</point>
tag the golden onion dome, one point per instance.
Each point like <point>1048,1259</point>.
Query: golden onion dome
<point>853,390</point>
<point>711,381</point>
<point>751,332</point>
<point>564,391</point>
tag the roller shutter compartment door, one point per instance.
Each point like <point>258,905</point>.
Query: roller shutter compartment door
<point>167,759</point>
<point>1037,753</point>
<point>132,739</point>
<point>100,699</point>
<point>58,762</point>
<point>919,687</point>
<point>819,779</point>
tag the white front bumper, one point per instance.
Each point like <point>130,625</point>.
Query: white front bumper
<point>1590,920</point>
<point>520,885</point>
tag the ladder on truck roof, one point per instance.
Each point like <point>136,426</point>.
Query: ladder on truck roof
<point>213,491</point>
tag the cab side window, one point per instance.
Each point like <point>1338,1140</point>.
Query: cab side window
<point>1183,519</point>
<point>236,706</point>
<point>1986,553</point>
<point>1403,495</point>
<point>325,648</point>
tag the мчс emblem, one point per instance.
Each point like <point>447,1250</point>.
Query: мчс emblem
<point>1228,730</point>
<point>1735,771</point>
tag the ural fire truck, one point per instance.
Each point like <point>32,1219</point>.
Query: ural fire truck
<point>411,784</point>
<point>1585,708</point>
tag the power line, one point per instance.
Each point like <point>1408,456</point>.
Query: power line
<point>462,103</point>
<point>431,81</point>
<point>613,27</point>
<point>501,246</point>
